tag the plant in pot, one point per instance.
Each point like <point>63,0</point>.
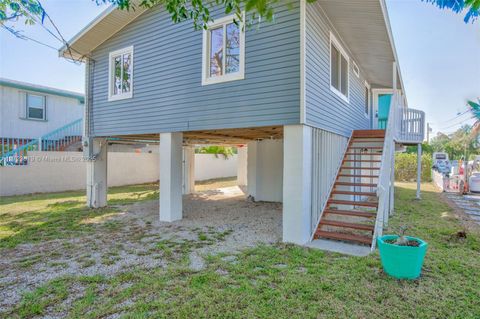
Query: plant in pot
<point>402,256</point>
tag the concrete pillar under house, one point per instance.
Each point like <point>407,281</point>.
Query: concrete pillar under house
<point>170,177</point>
<point>297,169</point>
<point>242,155</point>
<point>188,169</point>
<point>97,186</point>
<point>265,170</point>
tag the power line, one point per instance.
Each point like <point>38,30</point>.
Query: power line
<point>442,128</point>
<point>59,37</point>
<point>19,35</point>
<point>456,117</point>
<point>62,39</point>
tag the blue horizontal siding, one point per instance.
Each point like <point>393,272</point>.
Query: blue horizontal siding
<point>167,74</point>
<point>323,108</point>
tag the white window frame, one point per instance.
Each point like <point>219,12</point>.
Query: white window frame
<point>369,100</point>
<point>121,96</point>
<point>336,43</point>
<point>355,69</point>
<point>27,107</point>
<point>240,75</point>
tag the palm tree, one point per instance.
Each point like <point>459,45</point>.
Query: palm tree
<point>472,7</point>
<point>475,109</point>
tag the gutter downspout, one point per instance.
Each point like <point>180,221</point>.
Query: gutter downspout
<point>87,140</point>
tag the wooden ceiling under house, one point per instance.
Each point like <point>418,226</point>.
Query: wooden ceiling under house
<point>233,136</point>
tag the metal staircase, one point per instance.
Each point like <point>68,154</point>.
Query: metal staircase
<point>351,209</point>
<point>14,150</point>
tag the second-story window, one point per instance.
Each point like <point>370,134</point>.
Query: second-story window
<point>223,51</point>
<point>339,69</point>
<point>36,107</point>
<point>120,79</point>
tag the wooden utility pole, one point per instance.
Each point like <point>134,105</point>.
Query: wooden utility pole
<point>429,130</point>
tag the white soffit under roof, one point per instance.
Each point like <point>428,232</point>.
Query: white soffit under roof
<point>364,28</point>
<point>99,30</point>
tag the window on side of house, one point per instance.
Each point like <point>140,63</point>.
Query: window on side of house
<point>36,106</point>
<point>339,69</point>
<point>120,81</point>
<point>223,56</point>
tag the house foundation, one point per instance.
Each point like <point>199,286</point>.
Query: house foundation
<point>265,170</point>
<point>297,174</point>
<point>96,154</point>
<point>170,177</point>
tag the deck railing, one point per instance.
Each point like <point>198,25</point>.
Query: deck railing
<point>410,125</point>
<point>15,150</point>
<point>406,126</point>
<point>385,179</point>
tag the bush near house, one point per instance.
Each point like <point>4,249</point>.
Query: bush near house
<point>226,151</point>
<point>406,167</point>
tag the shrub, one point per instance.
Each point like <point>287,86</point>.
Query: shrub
<point>406,167</point>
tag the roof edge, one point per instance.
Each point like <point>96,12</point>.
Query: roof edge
<point>63,50</point>
<point>41,89</point>
<point>386,17</point>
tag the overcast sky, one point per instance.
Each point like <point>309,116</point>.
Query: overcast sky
<point>439,55</point>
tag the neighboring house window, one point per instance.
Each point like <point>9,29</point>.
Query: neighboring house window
<point>367,99</point>
<point>223,51</point>
<point>36,107</point>
<point>339,66</point>
<point>120,81</point>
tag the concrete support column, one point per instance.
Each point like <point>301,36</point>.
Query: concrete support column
<point>419,168</point>
<point>297,183</point>
<point>170,176</point>
<point>188,169</point>
<point>252,169</point>
<point>97,186</point>
<point>265,170</point>
<point>242,166</point>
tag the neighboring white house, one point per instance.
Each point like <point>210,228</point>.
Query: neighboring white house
<point>28,111</point>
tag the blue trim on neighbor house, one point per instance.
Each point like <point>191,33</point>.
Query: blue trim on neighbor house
<point>42,89</point>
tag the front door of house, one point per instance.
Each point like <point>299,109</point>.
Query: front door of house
<point>381,107</point>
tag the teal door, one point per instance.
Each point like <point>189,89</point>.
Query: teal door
<point>383,109</point>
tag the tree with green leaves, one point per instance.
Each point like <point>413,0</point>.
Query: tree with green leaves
<point>226,151</point>
<point>13,10</point>
<point>426,149</point>
<point>470,7</point>
<point>458,143</point>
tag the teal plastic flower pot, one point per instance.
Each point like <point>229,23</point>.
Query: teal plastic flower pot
<point>401,262</point>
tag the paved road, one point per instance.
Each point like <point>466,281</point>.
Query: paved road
<point>469,203</point>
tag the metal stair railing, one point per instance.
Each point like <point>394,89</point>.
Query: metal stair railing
<point>56,140</point>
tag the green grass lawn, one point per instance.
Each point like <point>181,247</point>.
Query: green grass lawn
<point>40,217</point>
<point>281,281</point>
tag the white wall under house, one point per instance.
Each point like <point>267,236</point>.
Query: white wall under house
<point>265,170</point>
<point>64,171</point>
<point>311,160</point>
<point>209,166</point>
